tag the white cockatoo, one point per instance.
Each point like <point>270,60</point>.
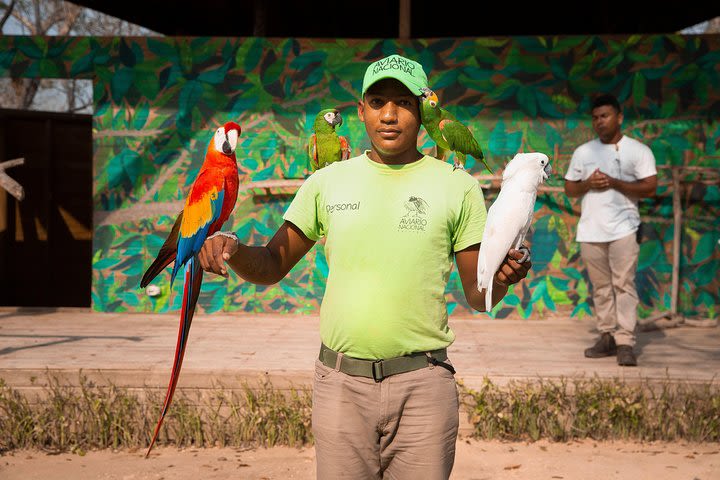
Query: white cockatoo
<point>510,216</point>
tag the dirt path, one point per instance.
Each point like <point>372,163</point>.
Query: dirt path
<point>585,460</point>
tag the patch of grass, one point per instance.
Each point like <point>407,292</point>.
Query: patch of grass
<point>93,417</point>
<point>76,419</point>
<point>600,409</point>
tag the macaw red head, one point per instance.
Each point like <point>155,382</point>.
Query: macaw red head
<point>226,138</point>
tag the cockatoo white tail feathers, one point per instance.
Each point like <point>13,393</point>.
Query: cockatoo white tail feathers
<point>510,215</point>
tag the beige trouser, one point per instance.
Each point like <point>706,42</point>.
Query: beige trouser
<point>612,266</point>
<point>403,427</point>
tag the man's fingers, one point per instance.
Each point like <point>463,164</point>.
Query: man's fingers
<point>202,258</point>
<point>515,254</point>
<point>210,256</point>
<point>218,258</point>
<point>217,255</point>
<point>511,270</point>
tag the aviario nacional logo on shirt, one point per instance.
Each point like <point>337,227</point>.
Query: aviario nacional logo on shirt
<point>416,209</point>
<point>342,207</point>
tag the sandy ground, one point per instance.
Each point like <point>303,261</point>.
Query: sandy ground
<point>586,460</point>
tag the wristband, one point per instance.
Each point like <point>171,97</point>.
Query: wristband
<point>225,234</point>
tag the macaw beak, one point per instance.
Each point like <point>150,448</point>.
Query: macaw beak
<point>338,119</point>
<point>230,143</point>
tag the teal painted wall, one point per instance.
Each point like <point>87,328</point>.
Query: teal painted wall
<point>157,101</point>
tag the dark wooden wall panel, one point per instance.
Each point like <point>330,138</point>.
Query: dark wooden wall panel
<point>46,247</point>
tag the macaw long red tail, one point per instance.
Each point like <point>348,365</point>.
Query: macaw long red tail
<point>191,291</point>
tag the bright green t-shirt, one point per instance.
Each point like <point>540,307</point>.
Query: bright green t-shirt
<point>390,236</point>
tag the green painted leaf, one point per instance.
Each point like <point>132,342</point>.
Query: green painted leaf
<point>638,88</point>
<point>706,247</point>
<point>121,83</point>
<point>340,93</point>
<point>308,58</point>
<point>126,54</point>
<point>124,169</point>
<point>32,47</point>
<point>214,76</point>
<point>582,66</point>
<point>81,65</point>
<point>503,143</point>
<point>141,115</point>
<point>444,79</point>
<point>526,100</point>
<point>105,263</point>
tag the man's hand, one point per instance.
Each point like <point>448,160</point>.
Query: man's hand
<point>511,271</point>
<point>599,180</point>
<point>217,250</point>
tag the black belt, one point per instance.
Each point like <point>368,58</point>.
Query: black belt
<point>379,369</point>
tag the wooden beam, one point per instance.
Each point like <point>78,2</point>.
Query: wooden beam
<point>404,24</point>
<point>12,187</point>
<point>260,18</point>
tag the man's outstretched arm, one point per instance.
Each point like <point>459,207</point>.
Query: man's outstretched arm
<point>264,265</point>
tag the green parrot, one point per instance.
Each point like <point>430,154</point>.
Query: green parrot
<point>447,132</point>
<point>325,145</point>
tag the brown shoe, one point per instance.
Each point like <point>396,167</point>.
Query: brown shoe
<point>605,347</point>
<point>626,356</point>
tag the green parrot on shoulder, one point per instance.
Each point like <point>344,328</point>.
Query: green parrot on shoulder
<point>447,132</point>
<point>326,146</point>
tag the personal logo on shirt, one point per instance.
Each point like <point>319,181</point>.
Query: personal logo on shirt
<point>342,207</point>
<point>416,210</point>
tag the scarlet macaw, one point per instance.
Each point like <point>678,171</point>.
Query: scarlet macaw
<point>209,204</point>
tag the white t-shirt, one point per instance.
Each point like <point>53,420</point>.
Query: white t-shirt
<point>609,215</point>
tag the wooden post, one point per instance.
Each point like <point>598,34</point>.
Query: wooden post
<point>672,318</point>
<point>260,16</point>
<point>677,232</point>
<point>404,26</point>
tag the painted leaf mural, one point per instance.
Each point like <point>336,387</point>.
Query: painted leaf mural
<point>156,99</point>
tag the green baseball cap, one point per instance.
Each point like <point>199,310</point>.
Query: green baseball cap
<point>409,72</point>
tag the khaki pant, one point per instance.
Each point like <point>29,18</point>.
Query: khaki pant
<point>403,427</point>
<point>612,266</point>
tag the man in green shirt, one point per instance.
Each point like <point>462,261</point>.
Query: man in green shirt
<point>385,402</point>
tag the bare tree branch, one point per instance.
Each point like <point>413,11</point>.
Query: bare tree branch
<point>27,23</point>
<point>80,107</point>
<point>7,13</point>
<point>38,18</point>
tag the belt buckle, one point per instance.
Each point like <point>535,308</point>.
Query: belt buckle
<point>377,370</point>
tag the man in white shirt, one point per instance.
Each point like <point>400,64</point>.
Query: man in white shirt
<point>610,174</point>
